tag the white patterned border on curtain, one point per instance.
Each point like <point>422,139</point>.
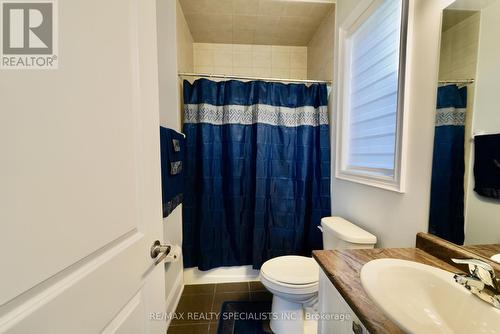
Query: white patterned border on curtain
<point>256,113</point>
<point>450,116</point>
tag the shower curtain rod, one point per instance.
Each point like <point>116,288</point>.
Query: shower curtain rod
<point>224,76</point>
<point>462,81</point>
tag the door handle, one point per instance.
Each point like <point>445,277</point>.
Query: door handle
<point>159,252</point>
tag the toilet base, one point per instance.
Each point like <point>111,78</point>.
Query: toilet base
<point>288,318</point>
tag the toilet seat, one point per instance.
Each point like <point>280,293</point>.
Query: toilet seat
<point>292,269</point>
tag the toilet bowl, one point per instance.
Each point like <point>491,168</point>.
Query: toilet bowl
<point>294,280</point>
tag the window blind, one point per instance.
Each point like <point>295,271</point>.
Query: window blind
<point>373,90</point>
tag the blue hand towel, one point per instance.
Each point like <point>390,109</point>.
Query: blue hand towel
<point>172,148</point>
<point>487,165</point>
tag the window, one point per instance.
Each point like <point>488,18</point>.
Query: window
<point>372,48</point>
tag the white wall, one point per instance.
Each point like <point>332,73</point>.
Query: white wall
<point>170,117</point>
<point>396,218</point>
<point>483,215</point>
<point>251,60</point>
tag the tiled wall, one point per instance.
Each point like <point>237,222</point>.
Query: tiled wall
<point>251,60</point>
<point>185,61</point>
<point>185,42</point>
<point>320,50</point>
<point>459,45</point>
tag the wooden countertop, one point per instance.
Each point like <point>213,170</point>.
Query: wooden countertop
<point>343,269</point>
<point>484,250</point>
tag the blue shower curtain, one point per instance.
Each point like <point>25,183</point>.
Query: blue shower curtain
<point>257,171</point>
<point>447,188</point>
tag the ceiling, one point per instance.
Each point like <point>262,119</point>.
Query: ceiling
<point>268,22</point>
<point>453,17</point>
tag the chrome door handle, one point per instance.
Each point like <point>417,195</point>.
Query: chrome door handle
<point>159,252</point>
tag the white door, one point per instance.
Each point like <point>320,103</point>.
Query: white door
<point>79,178</point>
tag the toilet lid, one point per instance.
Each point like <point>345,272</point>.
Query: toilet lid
<point>291,269</point>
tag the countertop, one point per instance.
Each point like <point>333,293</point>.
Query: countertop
<point>484,250</point>
<point>343,268</point>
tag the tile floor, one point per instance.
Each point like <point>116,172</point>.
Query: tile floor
<point>203,299</point>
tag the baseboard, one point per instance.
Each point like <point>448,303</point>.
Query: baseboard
<point>174,297</point>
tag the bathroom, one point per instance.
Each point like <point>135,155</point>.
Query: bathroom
<point>262,42</point>
<point>250,166</point>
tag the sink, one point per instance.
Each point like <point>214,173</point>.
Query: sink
<point>424,299</point>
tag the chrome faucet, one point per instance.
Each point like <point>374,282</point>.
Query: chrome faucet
<point>481,281</point>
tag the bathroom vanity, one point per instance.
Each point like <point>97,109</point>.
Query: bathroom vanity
<point>344,305</point>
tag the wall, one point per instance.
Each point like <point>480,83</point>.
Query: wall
<point>185,54</point>
<point>482,215</point>
<point>251,60</point>
<point>320,50</point>
<point>170,117</point>
<point>458,61</point>
<point>396,218</point>
<point>185,61</point>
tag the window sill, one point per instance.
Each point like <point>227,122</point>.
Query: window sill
<point>385,183</point>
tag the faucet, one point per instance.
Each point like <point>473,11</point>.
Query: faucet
<point>481,281</point>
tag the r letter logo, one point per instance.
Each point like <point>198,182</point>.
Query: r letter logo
<point>29,39</point>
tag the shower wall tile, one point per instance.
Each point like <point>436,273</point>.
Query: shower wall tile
<point>280,60</point>
<point>204,69</point>
<point>243,70</point>
<point>227,70</point>
<point>320,50</point>
<point>223,58</point>
<point>242,59</point>
<point>298,59</point>
<point>259,49</point>
<point>240,47</point>
<point>298,73</point>
<point>459,45</point>
<point>251,60</point>
<point>280,72</point>
<point>263,72</point>
<point>204,58</point>
<point>185,43</point>
<point>261,59</point>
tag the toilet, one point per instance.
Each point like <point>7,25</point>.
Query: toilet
<point>294,280</point>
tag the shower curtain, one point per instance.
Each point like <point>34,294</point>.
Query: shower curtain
<point>447,188</point>
<point>257,171</point>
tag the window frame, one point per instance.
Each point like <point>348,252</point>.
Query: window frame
<point>367,176</point>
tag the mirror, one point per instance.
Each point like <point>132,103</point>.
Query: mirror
<point>465,189</point>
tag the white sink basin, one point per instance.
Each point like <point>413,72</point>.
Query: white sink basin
<point>425,299</point>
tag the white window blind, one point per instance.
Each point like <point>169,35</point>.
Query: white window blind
<point>372,91</point>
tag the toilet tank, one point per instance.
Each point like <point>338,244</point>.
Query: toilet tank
<point>339,233</point>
